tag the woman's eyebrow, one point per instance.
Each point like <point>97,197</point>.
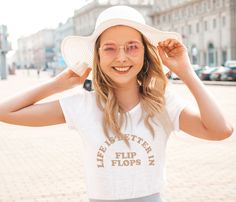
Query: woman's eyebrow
<point>109,43</point>
<point>133,40</point>
<point>127,42</point>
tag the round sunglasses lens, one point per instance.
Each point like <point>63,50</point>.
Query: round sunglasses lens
<point>109,50</point>
<point>133,49</point>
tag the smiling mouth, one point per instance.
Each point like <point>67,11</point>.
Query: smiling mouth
<point>122,68</point>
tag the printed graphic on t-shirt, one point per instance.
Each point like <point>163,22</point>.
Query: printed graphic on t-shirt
<point>125,158</point>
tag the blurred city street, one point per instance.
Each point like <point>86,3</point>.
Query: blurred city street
<point>45,164</point>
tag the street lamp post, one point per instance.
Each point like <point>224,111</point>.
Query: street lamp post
<point>3,68</point>
<point>4,48</point>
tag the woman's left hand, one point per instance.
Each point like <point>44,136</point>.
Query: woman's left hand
<point>174,55</point>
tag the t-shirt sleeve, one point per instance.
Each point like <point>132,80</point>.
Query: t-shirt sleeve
<point>174,105</point>
<point>72,107</point>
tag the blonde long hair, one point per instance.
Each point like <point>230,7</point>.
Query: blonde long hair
<point>152,84</point>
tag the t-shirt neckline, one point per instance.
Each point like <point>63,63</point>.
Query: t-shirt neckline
<point>133,109</point>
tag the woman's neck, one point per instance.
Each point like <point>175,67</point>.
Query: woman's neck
<point>128,96</point>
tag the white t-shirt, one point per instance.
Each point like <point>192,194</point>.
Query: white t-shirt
<point>112,171</point>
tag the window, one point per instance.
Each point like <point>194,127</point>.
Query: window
<point>163,18</point>
<point>214,23</point>
<point>169,17</point>
<point>157,20</point>
<point>194,10</point>
<point>182,30</point>
<point>205,25</point>
<point>204,6</point>
<point>216,57</point>
<point>213,4</point>
<point>211,55</point>
<point>223,3</point>
<point>190,29</point>
<point>0,41</point>
<point>197,27</point>
<point>189,11</point>
<point>183,12</point>
<point>224,56</point>
<point>209,5</point>
<point>205,58</point>
<point>177,15</point>
<point>223,21</point>
<point>194,54</point>
<point>197,8</point>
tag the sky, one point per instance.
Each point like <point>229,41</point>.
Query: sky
<point>26,17</point>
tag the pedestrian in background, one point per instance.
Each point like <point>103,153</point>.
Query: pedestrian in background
<point>126,121</point>
<point>38,71</point>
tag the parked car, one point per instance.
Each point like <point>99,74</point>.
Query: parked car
<point>174,76</point>
<point>216,75</point>
<point>205,74</point>
<point>88,83</point>
<point>230,74</point>
<point>168,74</point>
<point>230,63</point>
<point>198,69</point>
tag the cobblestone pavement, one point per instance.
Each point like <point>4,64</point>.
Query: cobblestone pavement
<point>45,164</point>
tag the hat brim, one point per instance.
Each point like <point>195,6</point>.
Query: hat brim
<point>80,49</point>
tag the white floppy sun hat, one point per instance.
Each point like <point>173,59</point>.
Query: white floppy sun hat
<point>78,50</point>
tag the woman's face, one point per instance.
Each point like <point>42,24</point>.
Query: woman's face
<point>121,54</point>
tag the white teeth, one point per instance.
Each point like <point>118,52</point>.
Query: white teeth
<point>122,69</point>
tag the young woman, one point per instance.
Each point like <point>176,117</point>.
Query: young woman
<point>126,121</point>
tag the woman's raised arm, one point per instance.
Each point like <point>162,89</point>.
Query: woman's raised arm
<point>209,122</point>
<point>21,109</point>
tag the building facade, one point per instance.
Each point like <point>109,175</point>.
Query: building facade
<point>44,47</point>
<point>36,50</point>
<point>25,57</point>
<point>62,31</point>
<point>85,17</point>
<point>207,27</point>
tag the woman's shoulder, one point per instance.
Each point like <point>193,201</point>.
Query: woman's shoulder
<point>79,96</point>
<point>174,104</point>
<point>173,101</point>
<point>171,95</point>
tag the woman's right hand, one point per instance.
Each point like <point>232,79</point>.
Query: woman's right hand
<point>68,79</point>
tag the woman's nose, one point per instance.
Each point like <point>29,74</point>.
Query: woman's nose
<point>121,55</point>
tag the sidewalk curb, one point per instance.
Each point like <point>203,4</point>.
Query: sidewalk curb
<point>215,83</point>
